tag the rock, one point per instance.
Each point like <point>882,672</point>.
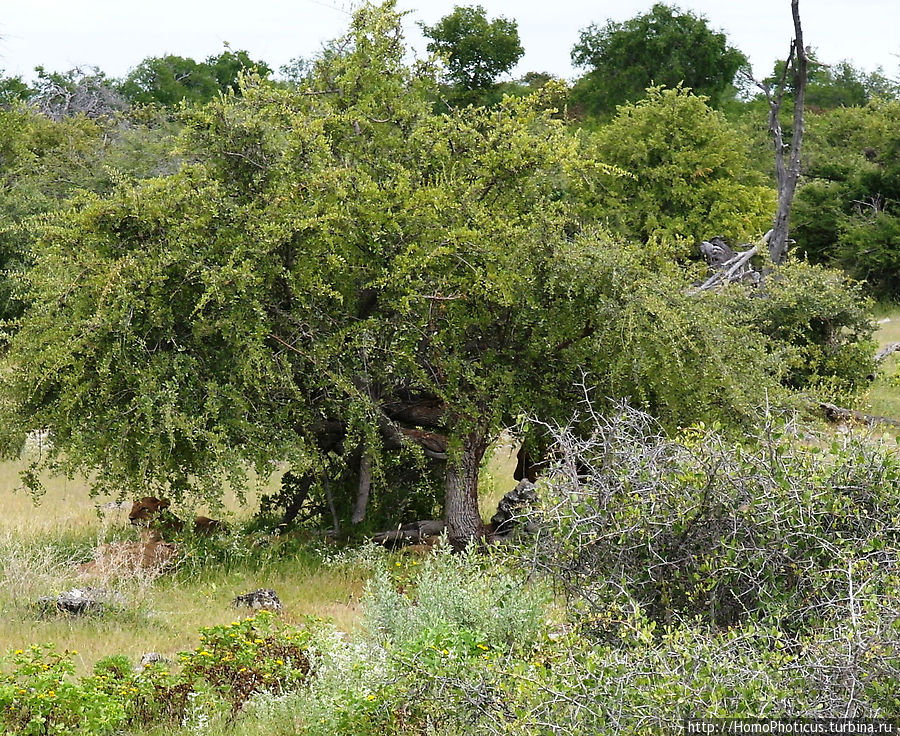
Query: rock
<point>81,602</point>
<point>261,599</point>
<point>513,508</point>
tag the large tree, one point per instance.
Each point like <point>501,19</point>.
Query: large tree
<point>338,273</point>
<point>662,47</point>
<point>476,50</point>
<point>167,80</point>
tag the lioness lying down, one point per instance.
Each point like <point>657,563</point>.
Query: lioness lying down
<point>129,558</point>
<point>153,512</point>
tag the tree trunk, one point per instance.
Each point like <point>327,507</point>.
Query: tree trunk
<point>329,498</point>
<point>788,175</point>
<point>301,487</point>
<point>461,486</point>
<point>362,492</point>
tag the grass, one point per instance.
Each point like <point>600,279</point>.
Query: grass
<point>41,546</point>
<point>496,478</point>
<point>883,397</point>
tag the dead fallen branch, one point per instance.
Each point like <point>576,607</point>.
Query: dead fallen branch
<point>736,268</point>
<point>838,414</point>
<point>886,351</point>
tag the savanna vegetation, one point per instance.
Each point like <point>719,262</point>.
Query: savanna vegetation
<point>326,301</point>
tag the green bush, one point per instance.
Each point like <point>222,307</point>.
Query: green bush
<point>689,174</point>
<point>815,325</point>
<point>466,601</point>
<point>39,693</point>
<point>846,213</point>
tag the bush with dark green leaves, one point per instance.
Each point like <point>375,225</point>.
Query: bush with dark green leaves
<point>816,326</point>
<point>846,212</point>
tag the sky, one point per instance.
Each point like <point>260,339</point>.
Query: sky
<point>115,35</point>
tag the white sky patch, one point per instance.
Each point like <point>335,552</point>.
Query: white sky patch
<point>115,35</point>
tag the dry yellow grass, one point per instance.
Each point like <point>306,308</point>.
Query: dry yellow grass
<point>496,479</point>
<point>883,397</point>
<point>67,507</point>
<point>41,546</point>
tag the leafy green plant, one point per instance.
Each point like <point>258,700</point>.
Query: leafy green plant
<point>689,174</point>
<point>39,696</point>
<point>815,324</point>
<point>246,657</point>
<point>474,600</point>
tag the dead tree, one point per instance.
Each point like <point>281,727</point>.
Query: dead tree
<point>787,173</point>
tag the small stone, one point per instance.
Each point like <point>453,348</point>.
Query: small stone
<point>261,599</point>
<point>80,602</point>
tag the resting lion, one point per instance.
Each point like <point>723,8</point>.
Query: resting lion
<point>153,512</point>
<point>152,555</point>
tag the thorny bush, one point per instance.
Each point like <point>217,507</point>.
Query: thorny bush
<point>702,526</point>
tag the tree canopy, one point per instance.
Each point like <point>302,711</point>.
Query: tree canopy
<point>337,274</point>
<point>476,51</point>
<point>167,80</point>
<point>662,47</point>
<point>689,174</point>
<point>331,274</point>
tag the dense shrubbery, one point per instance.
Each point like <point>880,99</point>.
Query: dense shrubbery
<point>701,579</point>
<point>846,212</point>
<point>815,325</point>
<point>688,175</point>
<point>699,526</point>
<point>39,693</point>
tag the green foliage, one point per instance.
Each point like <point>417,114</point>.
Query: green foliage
<point>831,86</point>
<point>12,90</point>
<point>457,605</point>
<point>817,325</point>
<point>846,212</point>
<point>222,312</point>
<point>169,80</point>
<point>245,657</point>
<point>690,176</point>
<point>335,248</point>
<point>39,693</point>
<point>39,696</point>
<point>44,162</point>
<point>662,47</point>
<point>476,51</point>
